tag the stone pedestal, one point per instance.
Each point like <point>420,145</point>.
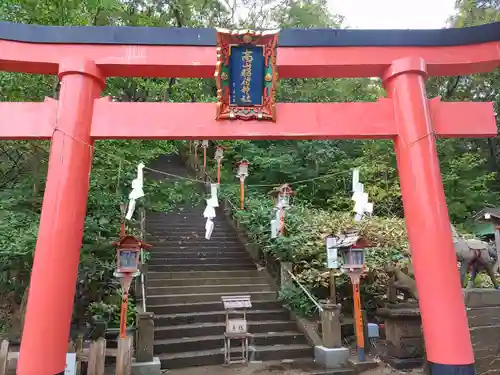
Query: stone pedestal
<point>331,358</point>
<point>147,368</point>
<point>330,325</point>
<point>404,347</point>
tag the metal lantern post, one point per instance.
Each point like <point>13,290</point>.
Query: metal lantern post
<point>204,145</point>
<point>196,144</point>
<point>353,259</point>
<point>242,174</point>
<point>123,211</point>
<point>127,266</point>
<point>219,154</point>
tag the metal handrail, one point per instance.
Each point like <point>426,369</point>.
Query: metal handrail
<point>313,300</point>
<point>143,236</point>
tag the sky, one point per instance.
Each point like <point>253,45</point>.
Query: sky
<point>394,14</point>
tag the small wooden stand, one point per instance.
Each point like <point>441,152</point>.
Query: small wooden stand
<point>236,328</point>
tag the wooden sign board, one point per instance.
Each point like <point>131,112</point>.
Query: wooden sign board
<point>332,258</point>
<point>246,75</point>
<point>331,252</point>
<point>236,326</point>
<point>236,302</point>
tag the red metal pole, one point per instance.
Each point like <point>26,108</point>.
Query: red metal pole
<point>242,193</point>
<point>125,281</point>
<point>444,319</point>
<point>204,160</point>
<point>123,316</point>
<point>52,287</point>
<point>358,318</point>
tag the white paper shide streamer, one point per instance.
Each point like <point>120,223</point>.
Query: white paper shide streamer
<point>209,212</point>
<point>360,198</point>
<point>137,191</point>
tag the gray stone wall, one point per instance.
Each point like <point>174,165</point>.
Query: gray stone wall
<point>483,311</point>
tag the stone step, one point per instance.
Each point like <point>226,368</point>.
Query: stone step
<point>200,247</point>
<point>166,260</point>
<point>218,317</point>
<point>216,356</point>
<point>155,275</point>
<point>198,241</point>
<point>202,267</point>
<point>208,297</point>
<point>194,223</point>
<point>189,228</point>
<point>197,221</point>
<point>179,214</point>
<point>215,329</point>
<point>208,289</point>
<point>206,307</point>
<point>194,220</point>
<point>188,254</point>
<point>188,344</point>
<point>196,229</point>
<point>190,236</point>
<point>184,212</point>
<point>201,239</point>
<point>160,236</point>
<point>190,281</point>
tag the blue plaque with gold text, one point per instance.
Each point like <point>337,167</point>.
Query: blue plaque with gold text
<point>246,75</point>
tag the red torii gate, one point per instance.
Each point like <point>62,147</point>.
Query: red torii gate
<point>83,57</point>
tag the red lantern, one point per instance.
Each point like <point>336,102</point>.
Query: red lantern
<point>242,169</point>
<point>284,195</point>
<point>127,266</point>
<point>127,254</point>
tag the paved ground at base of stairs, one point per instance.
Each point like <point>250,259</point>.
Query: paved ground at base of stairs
<point>272,369</point>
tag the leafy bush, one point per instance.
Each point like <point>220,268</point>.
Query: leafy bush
<point>304,245</point>
<point>295,300</point>
<point>114,168</point>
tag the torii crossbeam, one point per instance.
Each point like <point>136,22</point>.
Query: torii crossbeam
<point>83,57</point>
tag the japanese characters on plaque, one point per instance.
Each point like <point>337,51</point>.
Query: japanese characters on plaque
<point>246,74</point>
<point>235,326</point>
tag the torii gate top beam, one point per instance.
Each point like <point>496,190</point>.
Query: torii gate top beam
<point>183,52</point>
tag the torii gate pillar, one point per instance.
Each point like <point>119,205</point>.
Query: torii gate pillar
<point>427,222</point>
<point>57,254</point>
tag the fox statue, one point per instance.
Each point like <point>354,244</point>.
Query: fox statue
<point>474,255</point>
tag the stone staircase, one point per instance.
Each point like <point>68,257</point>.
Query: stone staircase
<point>187,276</point>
